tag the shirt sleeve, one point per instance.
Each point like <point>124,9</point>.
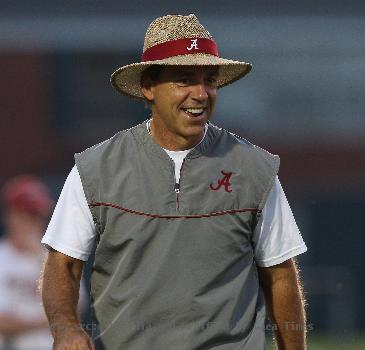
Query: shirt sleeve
<point>71,230</point>
<point>276,237</point>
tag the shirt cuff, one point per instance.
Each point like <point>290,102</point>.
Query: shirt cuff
<point>282,257</point>
<point>65,250</point>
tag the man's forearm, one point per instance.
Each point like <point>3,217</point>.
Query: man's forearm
<point>285,304</point>
<point>60,293</point>
<point>289,316</point>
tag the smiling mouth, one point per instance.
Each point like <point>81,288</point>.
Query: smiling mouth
<point>194,112</point>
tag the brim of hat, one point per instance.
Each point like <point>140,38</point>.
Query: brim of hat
<point>127,79</point>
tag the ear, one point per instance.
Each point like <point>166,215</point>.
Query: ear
<point>147,88</point>
<point>147,91</point>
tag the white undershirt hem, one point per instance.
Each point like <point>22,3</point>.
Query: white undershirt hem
<point>282,257</point>
<point>61,248</point>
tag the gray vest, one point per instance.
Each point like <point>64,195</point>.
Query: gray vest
<point>174,266</point>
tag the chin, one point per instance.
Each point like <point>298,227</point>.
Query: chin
<point>193,131</point>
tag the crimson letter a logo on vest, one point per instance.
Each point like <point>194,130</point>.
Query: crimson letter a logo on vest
<point>224,181</point>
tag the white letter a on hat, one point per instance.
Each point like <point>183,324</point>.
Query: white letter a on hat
<point>194,45</point>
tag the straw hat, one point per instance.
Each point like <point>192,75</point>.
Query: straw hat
<point>177,40</point>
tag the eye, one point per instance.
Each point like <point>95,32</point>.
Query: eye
<point>184,81</point>
<point>212,81</point>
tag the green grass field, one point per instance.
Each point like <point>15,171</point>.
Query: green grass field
<point>322,342</point>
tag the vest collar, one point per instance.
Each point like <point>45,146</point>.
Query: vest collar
<point>150,145</point>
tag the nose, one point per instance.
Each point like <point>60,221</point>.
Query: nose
<point>199,92</point>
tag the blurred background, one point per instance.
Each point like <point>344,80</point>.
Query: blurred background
<point>303,100</point>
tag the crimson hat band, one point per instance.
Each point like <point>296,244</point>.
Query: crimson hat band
<point>180,47</point>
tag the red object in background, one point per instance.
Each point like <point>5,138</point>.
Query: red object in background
<point>28,193</point>
<point>28,144</point>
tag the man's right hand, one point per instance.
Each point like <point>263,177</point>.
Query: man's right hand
<point>76,339</point>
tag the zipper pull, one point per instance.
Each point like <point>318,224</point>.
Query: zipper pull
<point>177,188</point>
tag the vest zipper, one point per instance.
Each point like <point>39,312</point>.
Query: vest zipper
<point>177,187</point>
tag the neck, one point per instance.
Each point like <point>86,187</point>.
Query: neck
<point>25,244</point>
<point>24,231</point>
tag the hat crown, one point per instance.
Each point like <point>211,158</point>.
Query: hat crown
<point>174,27</point>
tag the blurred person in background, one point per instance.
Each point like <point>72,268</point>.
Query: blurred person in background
<point>193,231</point>
<point>27,205</point>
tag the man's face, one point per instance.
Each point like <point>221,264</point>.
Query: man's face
<point>183,100</point>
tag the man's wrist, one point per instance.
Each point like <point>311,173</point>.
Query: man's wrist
<point>60,328</point>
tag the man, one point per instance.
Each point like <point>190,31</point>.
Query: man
<point>27,206</point>
<point>190,221</point>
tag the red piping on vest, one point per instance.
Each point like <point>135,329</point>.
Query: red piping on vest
<point>157,216</point>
